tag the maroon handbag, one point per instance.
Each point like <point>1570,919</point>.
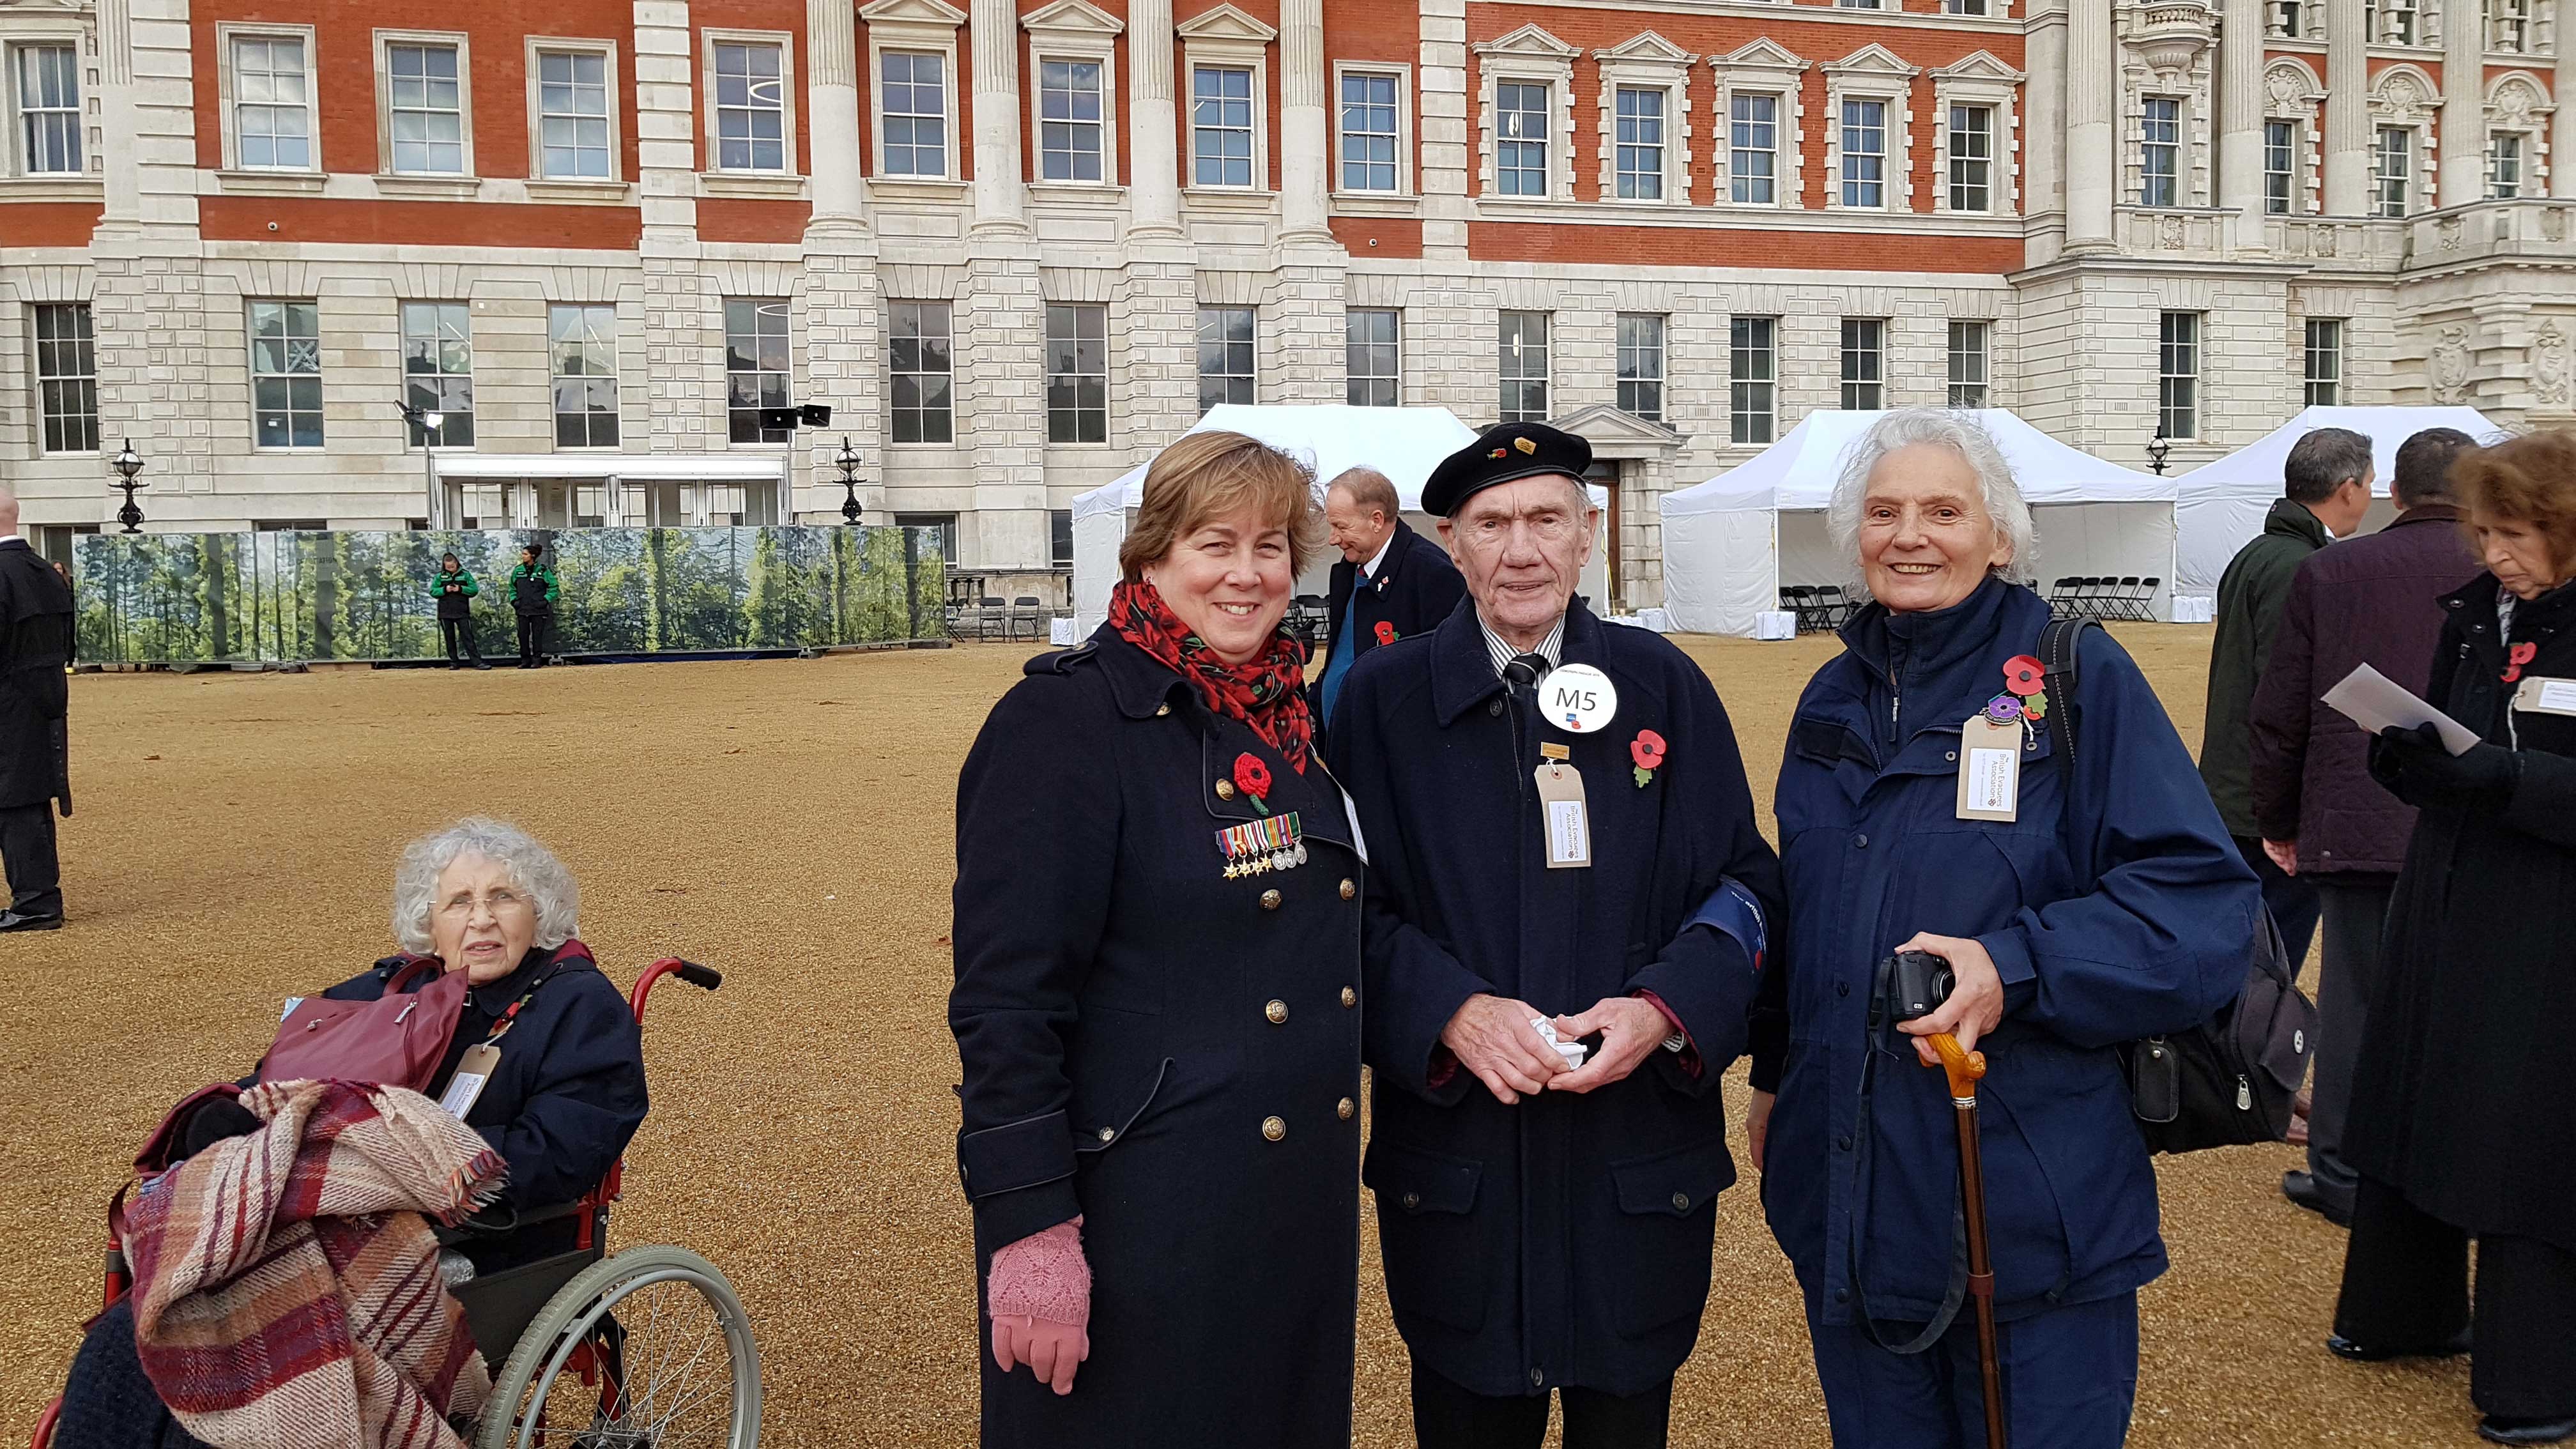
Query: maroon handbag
<point>397,1040</point>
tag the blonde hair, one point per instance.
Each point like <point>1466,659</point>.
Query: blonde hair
<point>1203,475</point>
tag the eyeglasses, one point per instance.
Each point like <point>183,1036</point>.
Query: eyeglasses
<point>498,902</point>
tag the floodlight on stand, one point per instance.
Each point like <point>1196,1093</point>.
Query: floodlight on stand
<point>127,463</point>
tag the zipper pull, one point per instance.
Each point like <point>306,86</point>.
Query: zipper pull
<point>2244,1095</point>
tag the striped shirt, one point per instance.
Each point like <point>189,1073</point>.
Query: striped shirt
<point>1551,648</point>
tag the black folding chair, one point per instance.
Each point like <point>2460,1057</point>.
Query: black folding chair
<point>2132,604</point>
<point>1836,609</point>
<point>2061,594</point>
<point>1801,601</point>
<point>2147,598</point>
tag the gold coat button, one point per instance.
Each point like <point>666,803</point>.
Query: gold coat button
<point>1350,997</point>
<point>1277,1011</point>
<point>1225,789</point>
<point>1107,1133</point>
<point>1161,710</point>
<point>1344,1108</point>
<point>1274,1128</point>
<point>1270,900</point>
<point>1349,890</point>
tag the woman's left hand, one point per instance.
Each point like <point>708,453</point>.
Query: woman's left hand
<point>1976,1003</point>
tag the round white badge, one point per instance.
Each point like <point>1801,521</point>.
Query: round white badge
<point>1577,698</point>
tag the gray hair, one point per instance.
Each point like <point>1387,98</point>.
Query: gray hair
<point>531,866</point>
<point>1961,434</point>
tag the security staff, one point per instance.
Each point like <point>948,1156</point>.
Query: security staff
<point>1561,845</point>
<point>1392,582</point>
<point>454,589</point>
<point>1157,1001</point>
<point>35,775</point>
<point>533,590</point>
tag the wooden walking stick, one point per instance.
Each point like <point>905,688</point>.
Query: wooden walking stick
<point>1964,1068</point>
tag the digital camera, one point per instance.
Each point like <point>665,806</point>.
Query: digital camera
<point>1914,983</point>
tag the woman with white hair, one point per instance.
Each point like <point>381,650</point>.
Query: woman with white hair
<point>2079,904</point>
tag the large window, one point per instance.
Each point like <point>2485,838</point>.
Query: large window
<point>1077,339</point>
<point>424,110</point>
<point>1521,340</point>
<point>1221,125</point>
<point>912,100</point>
<point>1753,370</point>
<point>286,374</point>
<point>944,524</point>
<point>582,339</point>
<point>272,104</point>
<point>572,115</point>
<point>1069,120</point>
<point>2392,177</point>
<point>1864,153</point>
<point>2280,167</point>
<point>2284,18</point>
<point>2160,163</point>
<point>2178,375</point>
<point>757,367</point>
<point>2325,362</point>
<point>1864,362</point>
<point>1369,131</point>
<point>2509,25</point>
<point>1641,365</point>
<point>1520,138</point>
<point>1970,344</point>
<point>1753,150</point>
<point>1225,356</point>
<point>438,370</point>
<point>1375,348</point>
<point>919,363</point>
<point>1640,144</point>
<point>66,377</point>
<point>2504,164</point>
<point>1972,158</point>
<point>45,82</point>
<point>751,107</point>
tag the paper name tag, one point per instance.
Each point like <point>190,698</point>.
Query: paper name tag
<point>1989,770</point>
<point>1569,829</point>
<point>2536,695</point>
<point>472,1071</point>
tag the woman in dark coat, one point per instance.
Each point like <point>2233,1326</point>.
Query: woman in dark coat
<point>561,1104</point>
<point>1157,1003</point>
<point>454,588</point>
<point>533,587</point>
<point>2460,1120</point>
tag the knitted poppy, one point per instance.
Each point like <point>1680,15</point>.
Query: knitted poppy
<point>2023,675</point>
<point>1253,778</point>
<point>1386,631</point>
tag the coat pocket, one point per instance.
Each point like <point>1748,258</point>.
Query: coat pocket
<point>1665,1200</point>
<point>1436,1263</point>
<point>1102,1120</point>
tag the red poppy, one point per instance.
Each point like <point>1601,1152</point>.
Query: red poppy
<point>1386,631</point>
<point>2516,657</point>
<point>1647,750</point>
<point>1252,777</point>
<point>2024,675</point>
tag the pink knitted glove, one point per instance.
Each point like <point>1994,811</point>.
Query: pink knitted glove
<point>1039,1294</point>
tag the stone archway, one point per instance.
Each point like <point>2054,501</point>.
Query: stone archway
<point>1641,451</point>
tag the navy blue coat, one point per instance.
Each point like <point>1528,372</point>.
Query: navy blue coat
<point>1564,1240</point>
<point>2115,907</point>
<point>1172,1054</point>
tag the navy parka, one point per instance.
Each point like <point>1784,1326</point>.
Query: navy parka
<point>2115,907</point>
<point>1564,1240</point>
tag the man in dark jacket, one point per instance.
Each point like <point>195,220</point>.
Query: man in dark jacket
<point>2374,601</point>
<point>454,588</point>
<point>1392,582</point>
<point>1561,845</point>
<point>2326,483</point>
<point>35,774</point>
<point>533,587</point>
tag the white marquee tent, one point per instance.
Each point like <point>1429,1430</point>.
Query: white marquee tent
<point>2223,503</point>
<point>1731,542</point>
<point>1403,443</point>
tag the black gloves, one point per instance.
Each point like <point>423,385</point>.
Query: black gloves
<point>215,1120</point>
<point>2416,768</point>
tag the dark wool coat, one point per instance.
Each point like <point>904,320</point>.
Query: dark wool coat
<point>2114,908</point>
<point>2250,595</point>
<point>35,644</point>
<point>2461,1096</point>
<point>1416,586</point>
<point>2374,601</point>
<point>1172,1054</point>
<point>1564,1240</point>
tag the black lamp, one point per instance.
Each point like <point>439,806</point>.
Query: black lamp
<point>848,463</point>
<point>127,463</point>
<point>2157,449</point>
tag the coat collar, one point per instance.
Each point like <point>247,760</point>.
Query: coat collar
<point>2480,595</point>
<point>2426,513</point>
<point>1462,668</point>
<point>2293,520</point>
<point>1934,640</point>
<point>1140,683</point>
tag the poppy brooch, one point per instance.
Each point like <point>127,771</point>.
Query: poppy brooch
<point>1386,631</point>
<point>2515,658</point>
<point>2023,696</point>
<point>1253,778</point>
<point>1647,751</point>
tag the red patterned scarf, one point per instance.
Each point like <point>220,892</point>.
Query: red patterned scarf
<point>1268,694</point>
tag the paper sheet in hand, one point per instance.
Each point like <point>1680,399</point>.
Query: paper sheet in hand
<point>2374,702</point>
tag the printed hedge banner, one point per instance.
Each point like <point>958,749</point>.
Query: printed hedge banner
<point>285,597</point>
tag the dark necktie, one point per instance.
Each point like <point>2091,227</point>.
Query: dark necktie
<point>1523,672</point>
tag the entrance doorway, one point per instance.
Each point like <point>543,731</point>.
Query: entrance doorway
<point>1605,473</point>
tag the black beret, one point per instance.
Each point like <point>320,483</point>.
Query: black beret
<point>1505,452</point>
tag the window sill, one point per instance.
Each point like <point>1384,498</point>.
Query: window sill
<point>52,186</point>
<point>918,190</point>
<point>743,184</point>
<point>586,191</point>
<point>1229,198</point>
<point>1077,193</point>
<point>428,188</point>
<point>1375,203</point>
<point>271,183</point>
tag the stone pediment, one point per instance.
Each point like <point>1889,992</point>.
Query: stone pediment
<point>1531,41</point>
<point>912,12</point>
<point>1979,66</point>
<point>1225,23</point>
<point>1072,17</point>
<point>1760,54</point>
<point>1876,60</point>
<point>1646,48</point>
<point>1604,426</point>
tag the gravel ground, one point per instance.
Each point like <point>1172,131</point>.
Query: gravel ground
<point>789,823</point>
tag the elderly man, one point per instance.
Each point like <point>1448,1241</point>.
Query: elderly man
<point>1391,583</point>
<point>1563,865</point>
<point>35,644</point>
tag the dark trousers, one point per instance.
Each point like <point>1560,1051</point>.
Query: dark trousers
<point>107,1402</point>
<point>27,849</point>
<point>2069,1377</point>
<point>460,631</point>
<point>2354,911</point>
<point>2291,899</point>
<point>535,636</point>
<point>1446,1416</point>
<point>2406,1287</point>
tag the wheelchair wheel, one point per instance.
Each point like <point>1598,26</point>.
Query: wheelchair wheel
<point>647,1349</point>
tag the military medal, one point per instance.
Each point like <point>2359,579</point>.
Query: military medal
<point>1259,846</point>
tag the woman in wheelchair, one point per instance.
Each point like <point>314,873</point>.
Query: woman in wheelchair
<point>559,1105</point>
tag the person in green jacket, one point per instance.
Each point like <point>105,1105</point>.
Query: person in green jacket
<point>2326,485</point>
<point>454,588</point>
<point>533,587</point>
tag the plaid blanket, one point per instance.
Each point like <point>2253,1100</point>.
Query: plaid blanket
<point>286,1288</point>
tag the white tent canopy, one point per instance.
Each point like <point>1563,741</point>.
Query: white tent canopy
<point>2223,503</point>
<point>1731,542</point>
<point>1403,443</point>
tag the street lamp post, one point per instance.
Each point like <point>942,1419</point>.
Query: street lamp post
<point>2157,449</point>
<point>127,463</point>
<point>427,420</point>
<point>848,463</point>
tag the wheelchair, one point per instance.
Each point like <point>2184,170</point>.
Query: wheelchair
<point>589,1349</point>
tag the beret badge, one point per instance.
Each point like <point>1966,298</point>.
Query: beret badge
<point>1525,445</point>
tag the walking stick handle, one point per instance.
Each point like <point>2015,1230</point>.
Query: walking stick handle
<point>1964,1066</point>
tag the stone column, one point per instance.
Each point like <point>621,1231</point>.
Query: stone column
<point>2240,111</point>
<point>999,203</point>
<point>2562,135</point>
<point>832,107</point>
<point>2347,112</point>
<point>2464,104</point>
<point>2092,126</point>
<point>1153,123</point>
<point>1304,160</point>
<point>2043,136</point>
